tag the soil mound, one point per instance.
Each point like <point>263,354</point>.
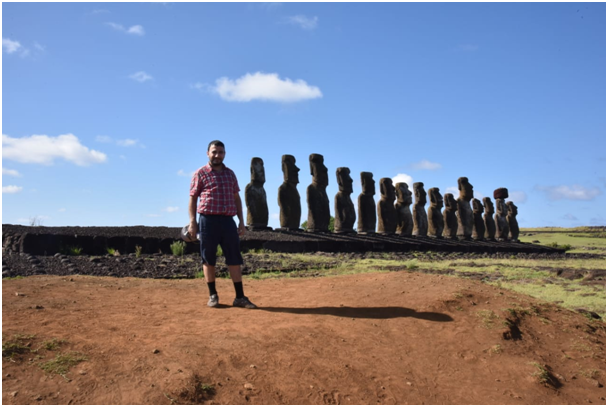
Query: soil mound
<point>391,338</point>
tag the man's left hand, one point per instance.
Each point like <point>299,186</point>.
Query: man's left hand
<point>241,229</point>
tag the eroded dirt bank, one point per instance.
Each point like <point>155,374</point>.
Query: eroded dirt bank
<point>392,338</point>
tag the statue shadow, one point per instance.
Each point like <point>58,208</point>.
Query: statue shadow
<point>364,312</point>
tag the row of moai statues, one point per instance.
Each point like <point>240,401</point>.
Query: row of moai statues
<point>458,221</point>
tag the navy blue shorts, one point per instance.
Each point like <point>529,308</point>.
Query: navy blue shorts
<point>219,230</point>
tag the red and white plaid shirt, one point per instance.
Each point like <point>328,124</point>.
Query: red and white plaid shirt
<point>216,191</point>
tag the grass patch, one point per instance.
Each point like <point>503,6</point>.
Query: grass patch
<point>72,251</point>
<point>541,374</point>
<point>487,317</point>
<point>15,346</point>
<point>580,240</point>
<point>52,344</point>
<point>62,363</point>
<point>111,251</point>
<point>178,248</point>
<point>138,250</point>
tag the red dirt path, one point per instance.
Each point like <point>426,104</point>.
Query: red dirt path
<point>391,338</point>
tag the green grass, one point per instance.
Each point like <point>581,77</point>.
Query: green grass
<point>16,345</point>
<point>72,251</point>
<point>62,363</point>
<point>178,248</point>
<point>540,374</point>
<point>138,251</point>
<point>580,240</point>
<point>111,251</point>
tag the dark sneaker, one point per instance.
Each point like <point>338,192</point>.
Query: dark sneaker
<point>243,303</point>
<point>213,301</point>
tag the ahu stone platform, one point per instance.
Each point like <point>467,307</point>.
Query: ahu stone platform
<point>46,241</point>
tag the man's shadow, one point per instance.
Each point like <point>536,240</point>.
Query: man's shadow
<point>364,312</point>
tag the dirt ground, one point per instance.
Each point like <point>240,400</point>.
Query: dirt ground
<point>379,338</point>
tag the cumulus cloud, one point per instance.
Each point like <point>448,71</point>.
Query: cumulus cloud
<point>134,30</point>
<point>518,196</point>
<point>183,173</point>
<point>426,165</point>
<point>12,173</point>
<point>171,209</point>
<point>141,77</point>
<point>574,192</point>
<point>268,87</point>
<point>306,23</point>
<point>42,149</point>
<point>11,189</point>
<point>452,190</point>
<point>126,142</point>
<point>10,46</point>
<point>403,178</point>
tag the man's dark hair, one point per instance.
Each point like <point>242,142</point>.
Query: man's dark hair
<point>216,143</point>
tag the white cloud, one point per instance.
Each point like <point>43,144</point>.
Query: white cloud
<point>574,192</point>
<point>141,77</point>
<point>426,165</point>
<point>39,47</point>
<point>263,86</point>
<point>103,139</point>
<point>171,209</point>
<point>452,190</point>
<point>11,189</point>
<point>153,215</point>
<point>183,173</point>
<point>135,30</point>
<point>304,22</point>
<point>404,178</point>
<point>42,149</point>
<point>126,142</point>
<point>201,86</point>
<point>518,196</point>
<point>10,46</point>
<point>275,216</point>
<point>13,173</point>
<point>61,210</point>
<point>99,11</point>
<point>569,216</point>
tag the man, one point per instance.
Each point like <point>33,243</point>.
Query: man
<point>218,189</point>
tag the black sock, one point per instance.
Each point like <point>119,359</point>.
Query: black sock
<point>211,288</point>
<point>238,287</point>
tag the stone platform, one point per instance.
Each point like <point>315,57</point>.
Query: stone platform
<point>46,241</point>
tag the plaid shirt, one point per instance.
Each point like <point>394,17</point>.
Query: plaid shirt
<point>216,191</point>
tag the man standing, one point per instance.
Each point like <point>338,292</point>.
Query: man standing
<point>218,189</point>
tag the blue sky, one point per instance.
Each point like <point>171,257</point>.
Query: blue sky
<point>108,107</point>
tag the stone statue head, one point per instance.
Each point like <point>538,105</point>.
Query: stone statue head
<point>477,206</point>
<point>465,188</point>
<point>318,170</point>
<point>258,175</point>
<point>368,184</point>
<point>419,193</point>
<point>404,195</point>
<point>450,202</point>
<point>290,171</point>
<point>387,190</point>
<point>512,208</point>
<point>435,197</point>
<point>345,182</point>
<point>488,205</point>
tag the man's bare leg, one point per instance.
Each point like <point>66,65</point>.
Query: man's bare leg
<point>235,273</point>
<point>209,272</point>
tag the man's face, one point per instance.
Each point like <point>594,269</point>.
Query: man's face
<point>216,155</point>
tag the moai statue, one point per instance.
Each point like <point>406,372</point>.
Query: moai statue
<point>434,213</point>
<point>289,197</point>
<point>316,196</point>
<point>387,214</point>
<point>421,223</point>
<point>512,221</point>
<point>366,217</point>
<point>465,213</point>
<point>343,206</point>
<point>502,227</point>
<point>405,222</point>
<point>449,217</point>
<point>479,228</point>
<point>488,220</point>
<point>255,197</point>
